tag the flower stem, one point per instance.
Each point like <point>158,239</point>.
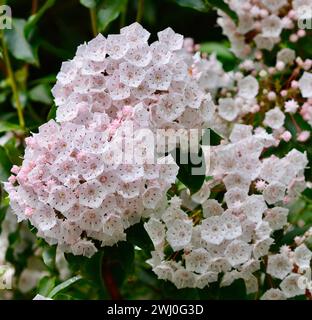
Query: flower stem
<point>295,123</point>
<point>109,280</point>
<point>13,84</point>
<point>140,11</point>
<point>93,21</point>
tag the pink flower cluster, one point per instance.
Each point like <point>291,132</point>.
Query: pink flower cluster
<point>123,69</point>
<point>262,22</point>
<point>73,190</point>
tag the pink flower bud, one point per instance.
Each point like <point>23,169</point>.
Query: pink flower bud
<point>293,38</point>
<point>15,169</point>
<point>303,136</point>
<point>272,96</point>
<point>301,33</point>
<point>295,84</point>
<point>286,136</point>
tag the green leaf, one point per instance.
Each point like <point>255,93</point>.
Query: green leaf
<point>46,285</point>
<point>52,113</point>
<point>108,12</point>
<point>220,49</point>
<point>5,165</point>
<point>198,5</point>
<point>138,236</point>
<point>48,256</point>
<point>41,93</point>
<point>13,151</point>
<point>64,285</point>
<point>7,126</point>
<point>17,43</point>
<point>89,3</point>
<point>191,174</point>
<point>220,4</point>
<point>33,19</point>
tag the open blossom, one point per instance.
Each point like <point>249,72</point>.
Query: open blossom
<point>274,118</point>
<point>305,85</point>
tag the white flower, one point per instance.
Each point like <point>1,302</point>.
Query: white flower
<point>228,109</point>
<point>238,252</point>
<point>305,85</point>
<point>197,260</point>
<point>213,230</point>
<point>286,55</point>
<point>303,9</point>
<point>179,234</point>
<point>156,231</point>
<point>279,266</point>
<point>248,87</point>
<point>290,286</point>
<point>183,279</point>
<point>273,294</point>
<point>274,118</point>
<point>272,26</point>
<point>274,5</point>
<point>263,42</point>
<point>276,217</point>
<point>274,192</point>
<point>291,106</point>
<point>302,256</point>
<point>212,207</point>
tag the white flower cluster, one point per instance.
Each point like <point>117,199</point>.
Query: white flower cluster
<point>123,69</point>
<point>70,186</point>
<point>253,91</point>
<point>261,23</point>
<point>231,236</point>
<point>72,189</point>
<point>293,268</point>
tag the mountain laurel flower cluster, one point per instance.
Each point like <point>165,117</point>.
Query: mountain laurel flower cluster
<point>262,23</point>
<point>72,187</point>
<point>277,95</point>
<point>123,69</point>
<point>106,162</point>
<point>229,236</point>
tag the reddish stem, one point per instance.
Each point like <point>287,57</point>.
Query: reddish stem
<point>109,281</point>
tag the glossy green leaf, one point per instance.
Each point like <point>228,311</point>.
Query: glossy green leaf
<point>41,93</point>
<point>48,256</point>
<point>192,173</point>
<point>52,113</point>
<point>89,3</point>
<point>108,12</point>
<point>64,285</point>
<point>220,49</point>
<point>14,151</point>
<point>5,165</point>
<point>33,19</point>
<point>223,6</point>
<point>138,236</point>
<point>7,126</point>
<point>17,44</point>
<point>198,5</point>
<point>46,285</point>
